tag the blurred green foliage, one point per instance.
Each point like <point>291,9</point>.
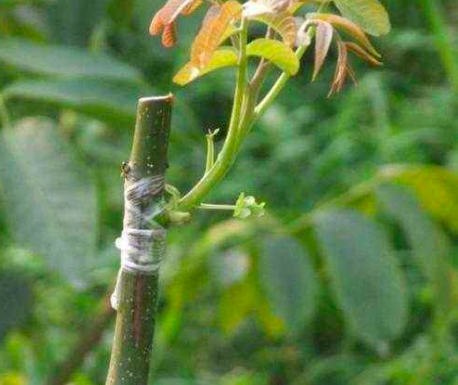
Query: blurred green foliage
<point>351,278</point>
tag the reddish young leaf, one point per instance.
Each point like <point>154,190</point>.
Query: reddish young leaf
<point>212,31</point>
<point>156,25</point>
<point>212,12</point>
<point>323,39</point>
<point>348,27</point>
<point>359,51</point>
<point>340,74</point>
<point>165,18</point>
<point>169,36</point>
<point>283,23</point>
<point>191,7</point>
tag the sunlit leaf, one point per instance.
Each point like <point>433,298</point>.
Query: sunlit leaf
<point>436,188</point>
<point>276,52</point>
<point>347,26</point>
<point>364,274</point>
<point>209,37</point>
<point>64,61</point>
<point>370,15</point>
<point>323,39</point>
<point>222,57</point>
<point>288,277</point>
<point>283,23</point>
<point>254,8</point>
<point>50,198</point>
<point>230,31</point>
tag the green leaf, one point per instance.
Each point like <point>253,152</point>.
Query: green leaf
<point>64,61</point>
<point>276,52</point>
<point>364,274</point>
<point>436,188</point>
<point>430,245</point>
<point>104,100</point>
<point>370,15</point>
<point>15,301</point>
<point>222,57</point>
<point>49,199</point>
<point>289,280</point>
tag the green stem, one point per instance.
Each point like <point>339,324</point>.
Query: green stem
<point>210,206</point>
<point>276,88</point>
<point>138,290</point>
<point>226,157</point>
<point>210,151</point>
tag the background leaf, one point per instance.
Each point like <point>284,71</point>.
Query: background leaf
<point>364,274</point>
<point>101,99</point>
<point>290,282</point>
<point>64,61</point>
<point>73,22</point>
<point>435,187</point>
<point>430,245</point>
<point>121,11</point>
<point>15,301</point>
<point>426,238</point>
<point>50,198</point>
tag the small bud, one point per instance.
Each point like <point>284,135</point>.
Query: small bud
<point>246,207</point>
<point>179,217</point>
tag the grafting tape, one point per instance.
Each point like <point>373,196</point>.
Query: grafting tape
<point>142,242</point>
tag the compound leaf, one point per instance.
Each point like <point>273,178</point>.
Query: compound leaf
<point>276,52</point>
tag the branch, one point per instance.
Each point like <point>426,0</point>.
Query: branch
<point>142,244</point>
<point>229,150</point>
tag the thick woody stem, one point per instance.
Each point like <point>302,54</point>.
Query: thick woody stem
<point>141,244</point>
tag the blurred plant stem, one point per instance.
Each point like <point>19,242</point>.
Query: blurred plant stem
<point>444,45</point>
<point>5,118</point>
<point>88,340</point>
<point>138,290</point>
